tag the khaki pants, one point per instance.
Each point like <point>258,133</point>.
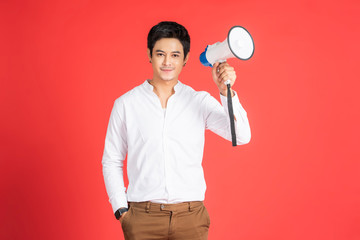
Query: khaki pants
<point>182,221</point>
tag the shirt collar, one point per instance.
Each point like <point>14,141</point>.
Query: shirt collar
<point>150,87</point>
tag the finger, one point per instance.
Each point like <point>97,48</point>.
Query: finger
<point>228,77</point>
<point>225,75</point>
<point>227,68</point>
<point>224,64</point>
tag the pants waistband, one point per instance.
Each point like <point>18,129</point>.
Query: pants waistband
<point>158,207</point>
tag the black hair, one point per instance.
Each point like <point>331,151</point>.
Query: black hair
<point>169,30</point>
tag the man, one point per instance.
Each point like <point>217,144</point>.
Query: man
<point>160,126</point>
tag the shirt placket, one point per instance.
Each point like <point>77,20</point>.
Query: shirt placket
<point>166,153</point>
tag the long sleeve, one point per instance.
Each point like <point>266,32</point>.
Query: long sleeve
<point>115,151</point>
<point>218,121</point>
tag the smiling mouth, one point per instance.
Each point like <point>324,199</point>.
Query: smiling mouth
<point>166,69</point>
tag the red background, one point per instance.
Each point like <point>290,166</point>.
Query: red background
<point>63,63</point>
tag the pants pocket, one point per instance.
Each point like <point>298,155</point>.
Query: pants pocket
<point>125,218</point>
<point>207,216</point>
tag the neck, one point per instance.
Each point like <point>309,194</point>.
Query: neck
<point>162,87</point>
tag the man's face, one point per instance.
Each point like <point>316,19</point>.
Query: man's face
<point>167,59</point>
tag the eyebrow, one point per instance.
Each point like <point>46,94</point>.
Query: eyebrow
<point>165,52</point>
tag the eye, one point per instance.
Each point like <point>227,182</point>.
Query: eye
<point>176,55</point>
<point>160,54</point>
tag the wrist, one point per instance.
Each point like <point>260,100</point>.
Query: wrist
<point>120,212</point>
<point>224,93</point>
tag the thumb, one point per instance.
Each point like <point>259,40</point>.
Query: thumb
<point>214,69</point>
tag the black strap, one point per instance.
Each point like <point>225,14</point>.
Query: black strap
<point>231,114</point>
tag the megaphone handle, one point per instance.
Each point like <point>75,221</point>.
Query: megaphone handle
<point>231,114</point>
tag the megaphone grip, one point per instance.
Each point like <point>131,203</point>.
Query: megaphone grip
<point>231,114</point>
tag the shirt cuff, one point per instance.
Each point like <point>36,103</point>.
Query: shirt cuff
<point>238,110</point>
<point>119,202</point>
<point>235,100</point>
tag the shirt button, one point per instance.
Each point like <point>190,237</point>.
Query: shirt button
<point>162,206</point>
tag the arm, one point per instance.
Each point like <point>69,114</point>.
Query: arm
<point>217,116</point>
<point>115,151</point>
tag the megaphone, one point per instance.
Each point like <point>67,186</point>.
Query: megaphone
<point>239,44</point>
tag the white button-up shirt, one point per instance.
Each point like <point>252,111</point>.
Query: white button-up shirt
<point>164,150</point>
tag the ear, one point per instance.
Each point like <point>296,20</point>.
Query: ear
<point>149,55</point>
<point>186,58</point>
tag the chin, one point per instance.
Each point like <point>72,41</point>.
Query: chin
<point>167,78</point>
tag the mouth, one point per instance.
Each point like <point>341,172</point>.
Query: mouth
<point>166,69</point>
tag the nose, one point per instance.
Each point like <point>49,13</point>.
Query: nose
<point>166,61</point>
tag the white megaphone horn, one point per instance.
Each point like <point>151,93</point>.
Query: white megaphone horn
<point>239,44</point>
